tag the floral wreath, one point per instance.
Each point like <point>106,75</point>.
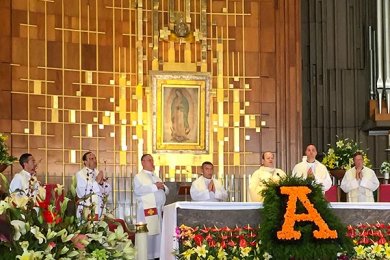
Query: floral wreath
<point>291,228</point>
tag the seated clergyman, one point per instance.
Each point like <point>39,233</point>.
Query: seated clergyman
<point>207,188</point>
<point>359,182</point>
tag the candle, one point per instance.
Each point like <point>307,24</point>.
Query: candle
<point>141,241</point>
<point>244,188</point>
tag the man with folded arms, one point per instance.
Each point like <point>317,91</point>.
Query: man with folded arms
<point>150,194</point>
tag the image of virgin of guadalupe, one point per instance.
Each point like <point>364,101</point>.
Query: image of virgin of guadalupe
<point>179,117</point>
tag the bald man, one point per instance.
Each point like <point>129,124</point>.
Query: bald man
<point>313,168</point>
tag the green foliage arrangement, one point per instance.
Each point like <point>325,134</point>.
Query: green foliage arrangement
<point>5,157</point>
<point>307,247</point>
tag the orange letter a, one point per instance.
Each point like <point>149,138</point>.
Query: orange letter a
<point>290,217</point>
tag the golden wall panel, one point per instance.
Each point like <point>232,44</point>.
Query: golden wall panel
<point>79,80</point>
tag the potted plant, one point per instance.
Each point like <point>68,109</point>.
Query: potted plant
<point>385,169</point>
<point>339,158</point>
<point>5,158</point>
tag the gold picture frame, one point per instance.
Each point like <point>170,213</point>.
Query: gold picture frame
<point>180,112</point>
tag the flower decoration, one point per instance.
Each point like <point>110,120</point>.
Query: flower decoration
<point>371,240</point>
<point>5,157</point>
<point>219,243</point>
<point>40,228</point>
<point>341,155</point>
<point>309,229</point>
<point>385,167</point>
<point>300,193</point>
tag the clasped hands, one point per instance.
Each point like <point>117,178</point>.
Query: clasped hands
<point>160,185</point>
<point>100,178</point>
<point>359,174</point>
<point>211,186</point>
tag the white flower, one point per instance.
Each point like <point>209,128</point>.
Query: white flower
<point>41,193</point>
<point>20,228</point>
<point>38,235</point>
<point>267,256</point>
<point>59,189</point>
<point>65,237</point>
<point>51,234</point>
<point>64,250</point>
<point>73,254</point>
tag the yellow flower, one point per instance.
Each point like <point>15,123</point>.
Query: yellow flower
<point>3,206</point>
<point>360,251</point>
<point>339,143</point>
<point>210,257</point>
<point>187,254</point>
<point>222,255</point>
<point>245,251</point>
<point>27,255</point>
<point>18,201</point>
<point>377,249</point>
<point>387,251</point>
<point>201,251</point>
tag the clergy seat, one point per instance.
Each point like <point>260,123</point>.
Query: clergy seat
<point>331,195</point>
<point>114,223</point>
<point>384,193</point>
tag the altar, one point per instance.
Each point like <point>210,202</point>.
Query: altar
<point>244,213</point>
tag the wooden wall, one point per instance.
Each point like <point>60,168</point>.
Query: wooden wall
<point>49,49</point>
<point>335,73</point>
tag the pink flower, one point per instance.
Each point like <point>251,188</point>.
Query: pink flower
<point>78,241</point>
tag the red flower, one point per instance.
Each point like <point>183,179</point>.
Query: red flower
<point>51,217</point>
<point>364,241</point>
<point>223,244</point>
<point>243,243</point>
<point>43,204</point>
<point>212,243</point>
<point>231,243</point>
<point>380,225</point>
<point>198,240</point>
<point>382,241</point>
<point>248,227</point>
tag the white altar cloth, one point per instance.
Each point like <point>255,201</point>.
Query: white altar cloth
<point>169,242</point>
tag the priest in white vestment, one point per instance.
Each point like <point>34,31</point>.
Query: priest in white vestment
<point>150,194</point>
<point>92,188</point>
<point>266,172</point>
<point>359,182</point>
<point>25,182</point>
<point>312,167</point>
<point>207,188</point>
